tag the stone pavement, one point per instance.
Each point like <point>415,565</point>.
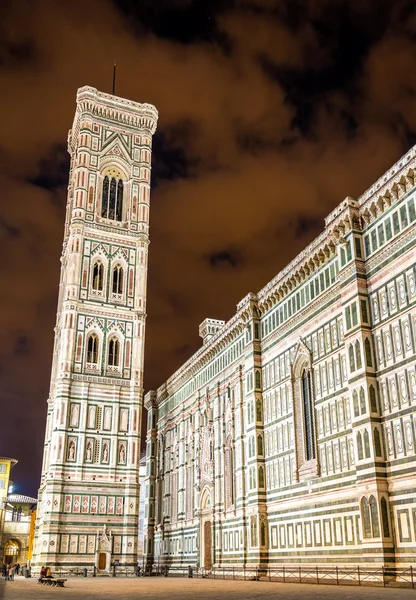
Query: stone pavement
<point>161,588</point>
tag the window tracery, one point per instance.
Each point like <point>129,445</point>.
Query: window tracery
<point>112,198</point>
<point>308,419</point>
<point>92,349</point>
<point>98,276</point>
<point>113,353</point>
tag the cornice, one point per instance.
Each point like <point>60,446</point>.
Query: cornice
<point>350,215</point>
<point>127,113</point>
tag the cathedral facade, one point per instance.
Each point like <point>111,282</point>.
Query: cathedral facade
<point>290,436</point>
<point>89,492</point>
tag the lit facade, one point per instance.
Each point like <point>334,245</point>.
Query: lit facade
<point>289,437</point>
<point>16,539</point>
<point>89,492</point>
<point>6,464</point>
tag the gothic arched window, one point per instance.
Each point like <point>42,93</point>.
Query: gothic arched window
<point>360,446</point>
<point>355,403</point>
<point>118,280</point>
<point>366,520</point>
<point>373,400</point>
<point>258,410</point>
<point>358,354</point>
<point>113,352</point>
<point>308,415</point>
<point>352,359</point>
<point>260,445</point>
<point>229,475</point>
<point>362,401</point>
<point>374,517</point>
<point>366,444</point>
<point>104,204</point>
<point>384,517</point>
<point>97,276</point>
<point>112,200</point>
<point>377,442</point>
<point>261,478</point>
<point>92,349</point>
<point>368,359</point>
<point>119,208</point>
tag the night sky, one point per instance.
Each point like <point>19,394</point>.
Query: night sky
<point>271,113</point>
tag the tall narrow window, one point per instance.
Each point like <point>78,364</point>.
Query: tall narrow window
<point>351,356</point>
<point>112,200</point>
<point>365,512</point>
<point>258,410</point>
<point>113,353</point>
<point>308,415</point>
<point>253,530</point>
<point>368,359</point>
<point>229,476</point>
<point>366,444</point>
<point>358,354</point>
<point>377,442</point>
<point>362,401</point>
<point>384,517</point>
<point>119,208</point>
<point>92,349</point>
<point>355,403</point>
<point>104,204</point>
<point>373,400</point>
<point>260,445</point>
<point>360,446</point>
<point>374,517</point>
<point>117,280</point>
<point>97,276</point>
<point>261,478</point>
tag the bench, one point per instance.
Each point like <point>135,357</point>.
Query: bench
<point>52,581</point>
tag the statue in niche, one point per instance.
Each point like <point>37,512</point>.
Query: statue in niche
<point>105,453</point>
<point>71,450</point>
<point>88,453</point>
<point>122,454</point>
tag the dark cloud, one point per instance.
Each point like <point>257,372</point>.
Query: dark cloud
<point>53,168</point>
<point>22,346</point>
<point>171,159</point>
<point>225,259</point>
<point>182,21</point>
<point>7,230</point>
<point>270,114</point>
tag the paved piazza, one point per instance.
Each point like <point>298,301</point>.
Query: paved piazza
<point>155,588</point>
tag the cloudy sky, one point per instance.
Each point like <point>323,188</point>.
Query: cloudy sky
<point>271,112</point>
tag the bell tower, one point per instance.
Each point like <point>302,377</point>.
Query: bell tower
<point>89,492</point>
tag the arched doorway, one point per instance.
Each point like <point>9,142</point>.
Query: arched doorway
<point>11,552</point>
<point>206,530</point>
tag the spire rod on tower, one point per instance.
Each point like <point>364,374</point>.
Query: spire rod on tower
<point>114,78</point>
